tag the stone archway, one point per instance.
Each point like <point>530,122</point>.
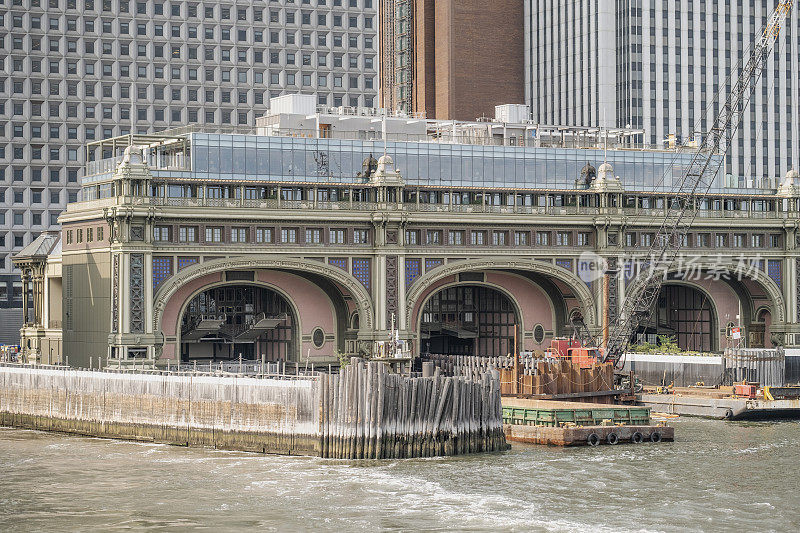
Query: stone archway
<point>695,317</point>
<point>171,297</point>
<point>755,277</point>
<point>580,289</point>
<point>291,344</point>
<point>358,292</point>
<point>514,276</point>
<point>501,333</point>
<point>773,292</point>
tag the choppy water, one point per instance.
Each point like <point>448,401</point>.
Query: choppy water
<point>718,476</point>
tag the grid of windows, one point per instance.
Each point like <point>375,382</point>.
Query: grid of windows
<point>184,262</point>
<point>238,235</point>
<point>314,236</point>
<point>213,234</point>
<point>670,61</point>
<point>187,234</point>
<point>340,262</point>
<point>413,271</point>
<point>564,263</point>
<point>360,236</point>
<point>362,271</point>
<point>288,235</point>
<point>337,236</point>
<point>161,233</point>
<point>774,271</point>
<point>433,263</point>
<point>81,71</point>
<point>162,269</point>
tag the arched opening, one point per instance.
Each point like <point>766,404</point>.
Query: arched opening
<point>232,321</point>
<point>685,313</point>
<point>759,330</point>
<point>468,320</point>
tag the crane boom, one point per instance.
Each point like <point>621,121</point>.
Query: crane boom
<point>696,182</point>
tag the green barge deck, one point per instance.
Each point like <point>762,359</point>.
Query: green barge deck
<point>575,424</point>
<point>548,413</point>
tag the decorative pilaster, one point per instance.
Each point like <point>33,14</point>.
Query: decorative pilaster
<point>137,293</point>
<point>613,288</point>
<point>797,290</point>
<point>115,294</point>
<point>25,280</point>
<point>391,288</point>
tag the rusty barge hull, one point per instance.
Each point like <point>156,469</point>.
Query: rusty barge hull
<point>557,423</point>
<point>581,435</point>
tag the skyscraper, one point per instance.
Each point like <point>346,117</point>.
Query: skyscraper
<point>75,71</point>
<point>658,66</point>
<point>451,59</point>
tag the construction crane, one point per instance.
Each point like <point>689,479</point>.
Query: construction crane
<point>696,182</point>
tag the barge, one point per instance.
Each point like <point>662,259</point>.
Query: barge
<point>558,423</point>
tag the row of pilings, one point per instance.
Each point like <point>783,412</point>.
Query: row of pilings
<point>369,413</point>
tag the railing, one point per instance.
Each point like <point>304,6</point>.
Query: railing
<point>155,161</point>
<point>346,205</point>
<point>274,370</point>
<point>102,166</point>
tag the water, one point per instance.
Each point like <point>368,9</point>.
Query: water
<point>718,476</point>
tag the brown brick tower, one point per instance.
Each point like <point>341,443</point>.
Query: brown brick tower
<point>452,59</point>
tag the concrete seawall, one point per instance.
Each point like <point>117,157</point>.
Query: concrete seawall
<point>329,416</point>
<point>260,415</point>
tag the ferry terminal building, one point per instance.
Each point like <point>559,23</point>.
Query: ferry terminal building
<point>301,241</point>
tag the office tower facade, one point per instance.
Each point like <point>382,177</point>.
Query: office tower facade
<point>75,71</point>
<point>658,66</point>
<point>451,60</point>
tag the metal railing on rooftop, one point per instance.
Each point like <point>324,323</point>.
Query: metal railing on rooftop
<point>370,206</point>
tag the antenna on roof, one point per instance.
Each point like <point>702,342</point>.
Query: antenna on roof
<point>605,144</point>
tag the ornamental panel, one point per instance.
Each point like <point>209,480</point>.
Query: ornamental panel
<point>137,293</point>
<point>137,233</point>
<point>115,295</point>
<point>797,286</point>
<point>67,297</point>
<point>391,288</point>
<point>613,289</point>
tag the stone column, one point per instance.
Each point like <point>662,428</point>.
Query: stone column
<point>25,280</point>
<point>37,299</point>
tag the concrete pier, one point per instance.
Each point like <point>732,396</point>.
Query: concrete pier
<point>365,412</point>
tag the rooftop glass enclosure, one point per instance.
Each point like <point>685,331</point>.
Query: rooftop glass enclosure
<point>286,159</point>
<point>262,158</point>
